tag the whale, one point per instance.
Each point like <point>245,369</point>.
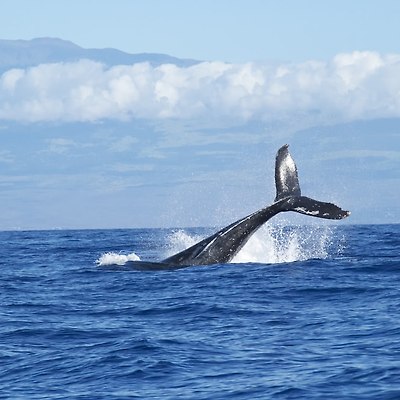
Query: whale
<point>223,245</point>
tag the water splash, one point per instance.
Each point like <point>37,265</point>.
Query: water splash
<point>112,258</point>
<point>279,244</point>
<point>271,244</point>
<point>180,240</point>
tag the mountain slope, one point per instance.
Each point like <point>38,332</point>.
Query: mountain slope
<point>27,53</point>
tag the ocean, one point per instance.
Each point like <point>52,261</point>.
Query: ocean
<point>303,312</point>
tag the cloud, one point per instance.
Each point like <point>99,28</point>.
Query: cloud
<point>128,168</point>
<point>390,155</point>
<point>6,157</point>
<point>123,144</point>
<point>60,145</point>
<point>358,85</point>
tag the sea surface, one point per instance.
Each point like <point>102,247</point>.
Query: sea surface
<point>308,312</point>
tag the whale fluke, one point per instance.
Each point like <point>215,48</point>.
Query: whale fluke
<point>314,208</point>
<point>288,187</point>
<point>286,178</point>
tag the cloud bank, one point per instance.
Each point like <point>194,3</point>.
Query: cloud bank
<point>358,85</point>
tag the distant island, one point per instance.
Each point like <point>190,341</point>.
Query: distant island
<point>28,53</point>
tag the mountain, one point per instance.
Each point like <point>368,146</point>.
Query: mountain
<point>96,167</point>
<point>27,53</point>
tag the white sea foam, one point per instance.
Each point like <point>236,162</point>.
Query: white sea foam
<point>116,259</point>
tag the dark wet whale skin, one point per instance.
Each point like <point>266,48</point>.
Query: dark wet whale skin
<point>223,245</point>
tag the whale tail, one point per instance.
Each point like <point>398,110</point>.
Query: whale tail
<point>288,191</point>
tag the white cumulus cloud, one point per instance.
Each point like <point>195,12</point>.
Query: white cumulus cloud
<point>356,85</point>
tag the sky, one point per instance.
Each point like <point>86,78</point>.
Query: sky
<point>217,30</point>
<point>86,145</point>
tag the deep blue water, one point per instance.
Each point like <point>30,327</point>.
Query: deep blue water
<point>318,328</point>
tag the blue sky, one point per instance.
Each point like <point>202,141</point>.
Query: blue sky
<point>87,145</point>
<point>226,30</point>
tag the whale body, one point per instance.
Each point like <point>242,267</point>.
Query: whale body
<point>223,245</point>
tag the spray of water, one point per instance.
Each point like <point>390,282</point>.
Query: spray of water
<point>278,244</point>
<point>271,244</point>
<point>180,240</point>
<point>111,258</point>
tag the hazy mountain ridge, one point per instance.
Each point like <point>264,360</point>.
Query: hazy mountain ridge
<point>28,53</point>
<point>151,170</point>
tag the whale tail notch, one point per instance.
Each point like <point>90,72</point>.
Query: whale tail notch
<point>288,191</point>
